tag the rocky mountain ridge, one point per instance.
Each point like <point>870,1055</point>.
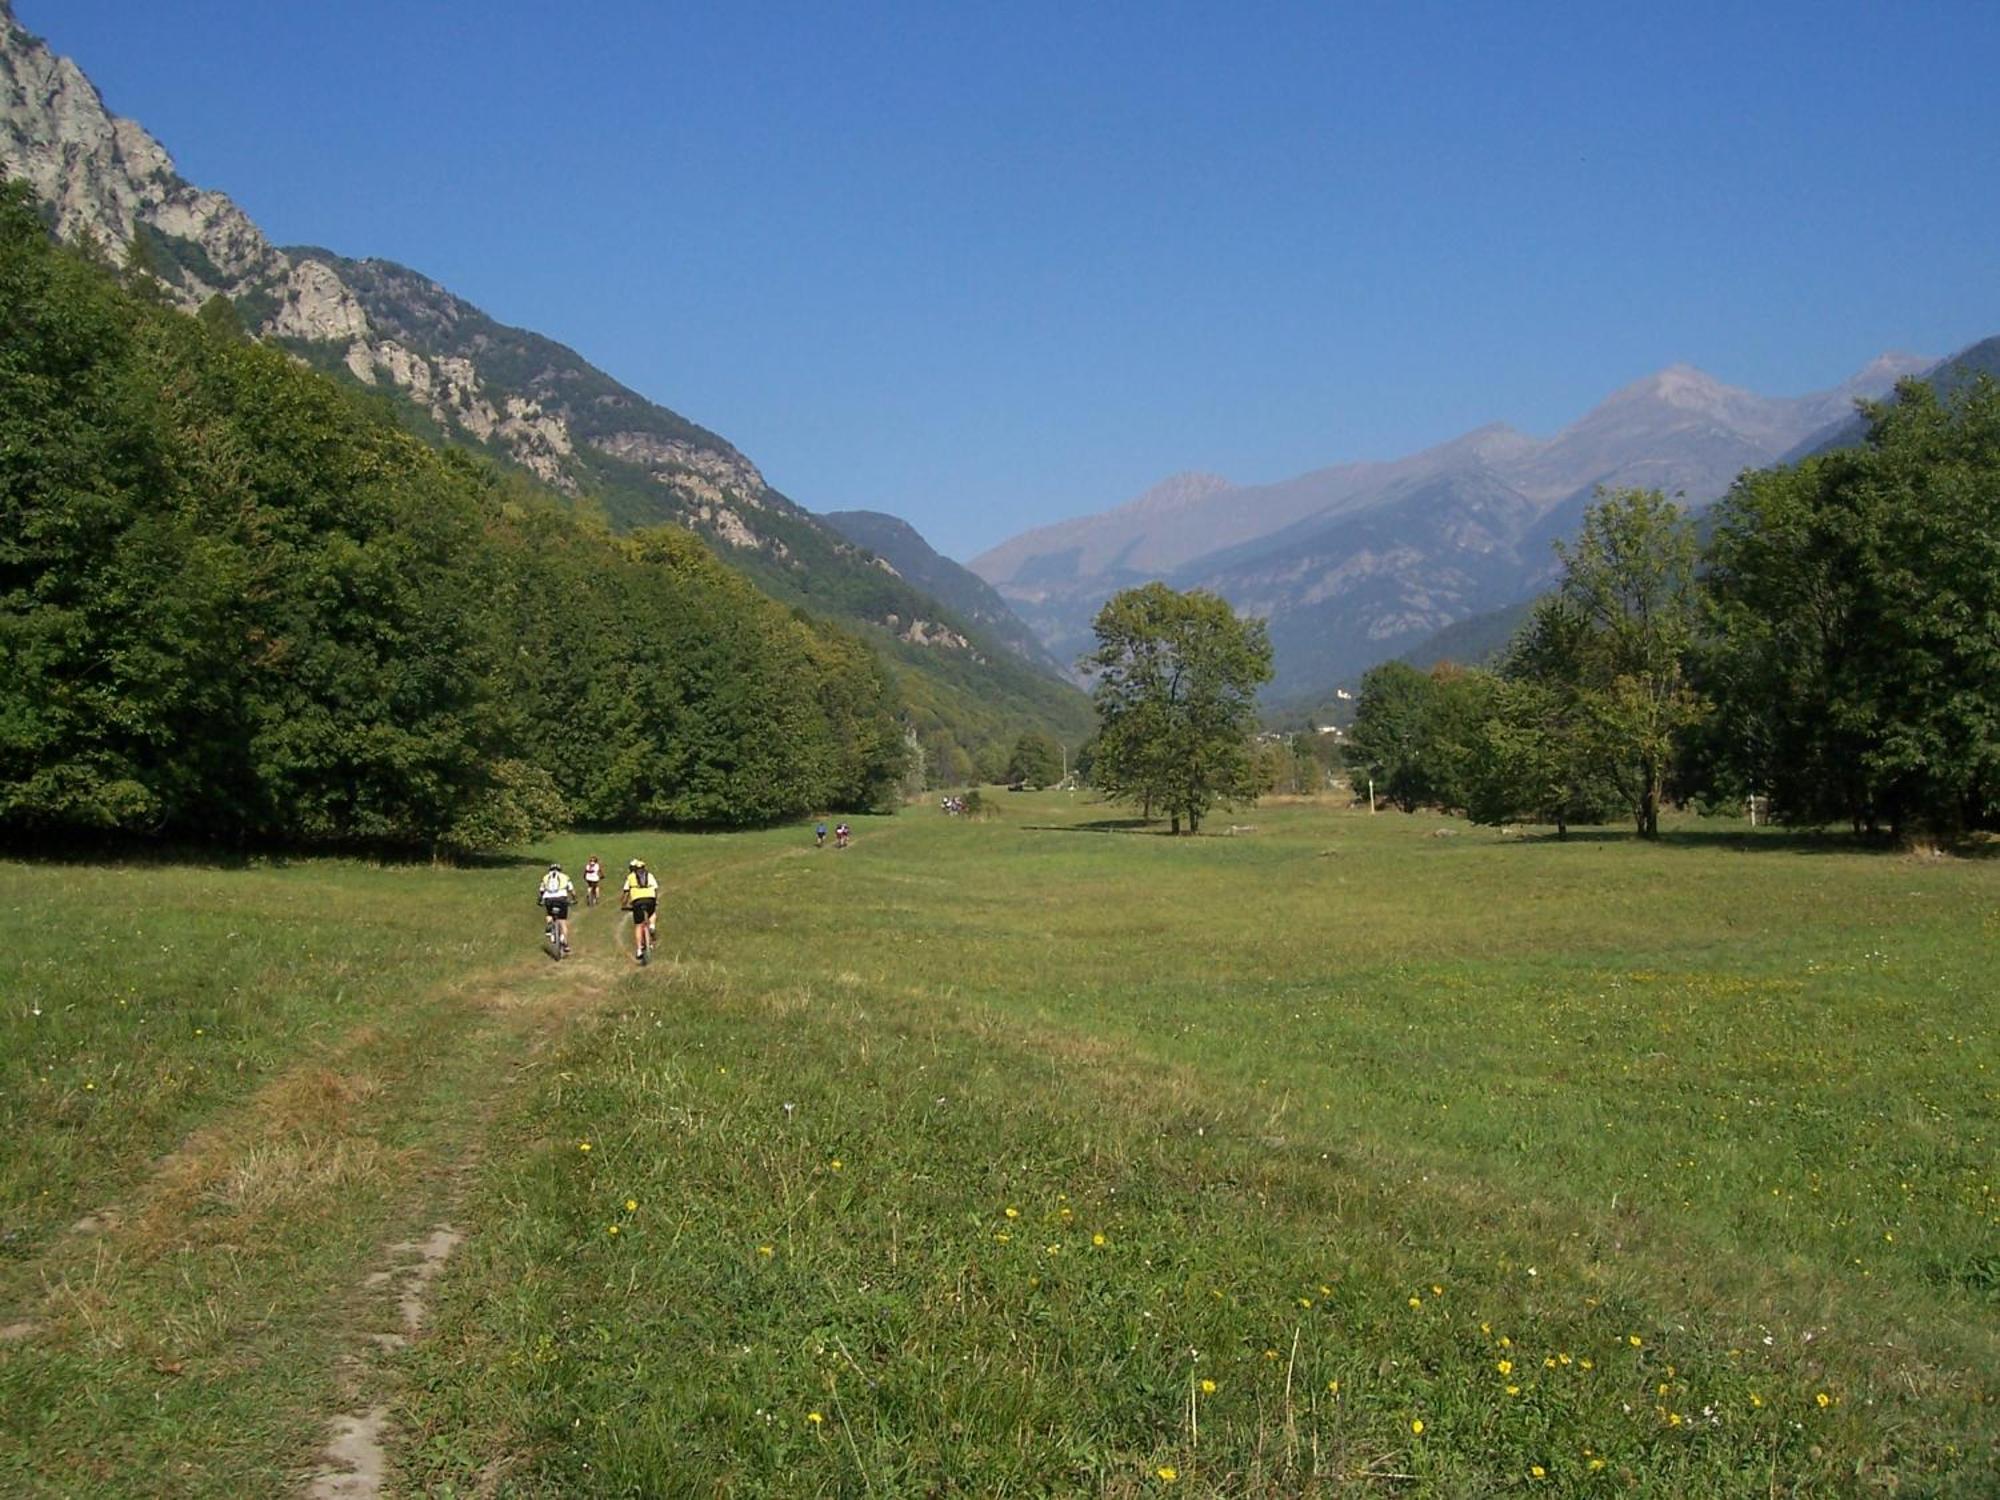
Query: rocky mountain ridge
<point>1354,563</point>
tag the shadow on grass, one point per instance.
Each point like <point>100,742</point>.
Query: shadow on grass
<point>1769,841</point>
<point>1152,826</point>
<point>71,849</point>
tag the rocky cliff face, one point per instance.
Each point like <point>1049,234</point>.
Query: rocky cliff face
<point>524,398</point>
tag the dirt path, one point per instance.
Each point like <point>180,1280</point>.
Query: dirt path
<point>391,1307</point>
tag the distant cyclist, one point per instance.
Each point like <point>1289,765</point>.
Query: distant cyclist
<point>556,894</point>
<point>819,834</point>
<point>641,897</point>
<point>841,835</point>
<point>593,877</point>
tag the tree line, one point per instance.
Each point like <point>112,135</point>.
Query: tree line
<point>1827,640</point>
<point>239,603</point>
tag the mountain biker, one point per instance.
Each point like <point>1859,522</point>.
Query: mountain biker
<point>556,894</point>
<point>819,834</point>
<point>841,834</point>
<point>593,877</point>
<point>641,897</point>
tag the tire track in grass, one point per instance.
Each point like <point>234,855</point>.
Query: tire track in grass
<point>356,1461</point>
<point>526,1017</point>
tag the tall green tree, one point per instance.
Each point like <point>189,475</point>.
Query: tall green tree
<point>1629,579</point>
<point>1539,754</point>
<point>1416,734</point>
<point>1857,601</point>
<point>1176,692</point>
<point>1037,760</point>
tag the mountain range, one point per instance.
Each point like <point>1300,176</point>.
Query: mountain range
<point>535,406</point>
<point>1353,564</point>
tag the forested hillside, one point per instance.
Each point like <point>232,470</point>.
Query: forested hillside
<point>457,376</point>
<point>239,603</point>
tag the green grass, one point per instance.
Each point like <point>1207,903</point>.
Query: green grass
<point>1361,1115</point>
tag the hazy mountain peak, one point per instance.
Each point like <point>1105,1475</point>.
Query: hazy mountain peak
<point>1884,370</point>
<point>1177,492</point>
<point>1682,386</point>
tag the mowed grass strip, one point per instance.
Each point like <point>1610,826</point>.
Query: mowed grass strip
<point>1026,1157</point>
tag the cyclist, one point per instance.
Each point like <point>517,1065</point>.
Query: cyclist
<point>841,835</point>
<point>593,877</point>
<point>556,895</point>
<point>819,834</point>
<point>641,897</point>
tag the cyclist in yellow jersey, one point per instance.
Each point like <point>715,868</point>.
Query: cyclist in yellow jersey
<point>640,896</point>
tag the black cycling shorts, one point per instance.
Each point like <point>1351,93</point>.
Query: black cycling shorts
<point>643,908</point>
<point>558,909</point>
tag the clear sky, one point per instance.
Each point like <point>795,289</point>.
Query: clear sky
<point>990,266</point>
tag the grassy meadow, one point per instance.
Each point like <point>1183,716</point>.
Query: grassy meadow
<point>1035,1155</point>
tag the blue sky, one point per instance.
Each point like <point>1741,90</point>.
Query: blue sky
<point>986,267</point>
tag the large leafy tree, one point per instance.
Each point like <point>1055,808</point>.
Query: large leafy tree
<point>1037,760</point>
<point>1416,734</point>
<point>1176,692</point>
<point>1629,582</point>
<point>1857,601</point>
<point>1539,754</point>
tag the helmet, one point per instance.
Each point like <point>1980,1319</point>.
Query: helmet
<point>554,868</point>
<point>633,864</point>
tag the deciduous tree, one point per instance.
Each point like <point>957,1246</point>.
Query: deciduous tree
<point>1177,678</point>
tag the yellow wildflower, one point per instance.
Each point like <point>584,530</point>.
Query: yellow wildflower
<point>836,1164</point>
<point>1537,1471</point>
<point>1098,1240</point>
<point>1305,1302</point>
<point>611,1229</point>
<point>631,1205</point>
<point>766,1250</point>
<point>1824,1400</point>
<point>1208,1387</point>
<point>583,1146</point>
<point>1596,1463</point>
<point>815,1418</point>
<point>1416,1426</point>
<point>1333,1387</point>
<point>1013,1212</point>
<point>1634,1340</point>
<point>1755,1399</point>
<point>1168,1473</point>
<point>1416,1302</point>
<point>1513,1390</point>
<point>1505,1367</point>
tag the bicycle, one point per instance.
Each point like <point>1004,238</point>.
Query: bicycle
<point>552,931</point>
